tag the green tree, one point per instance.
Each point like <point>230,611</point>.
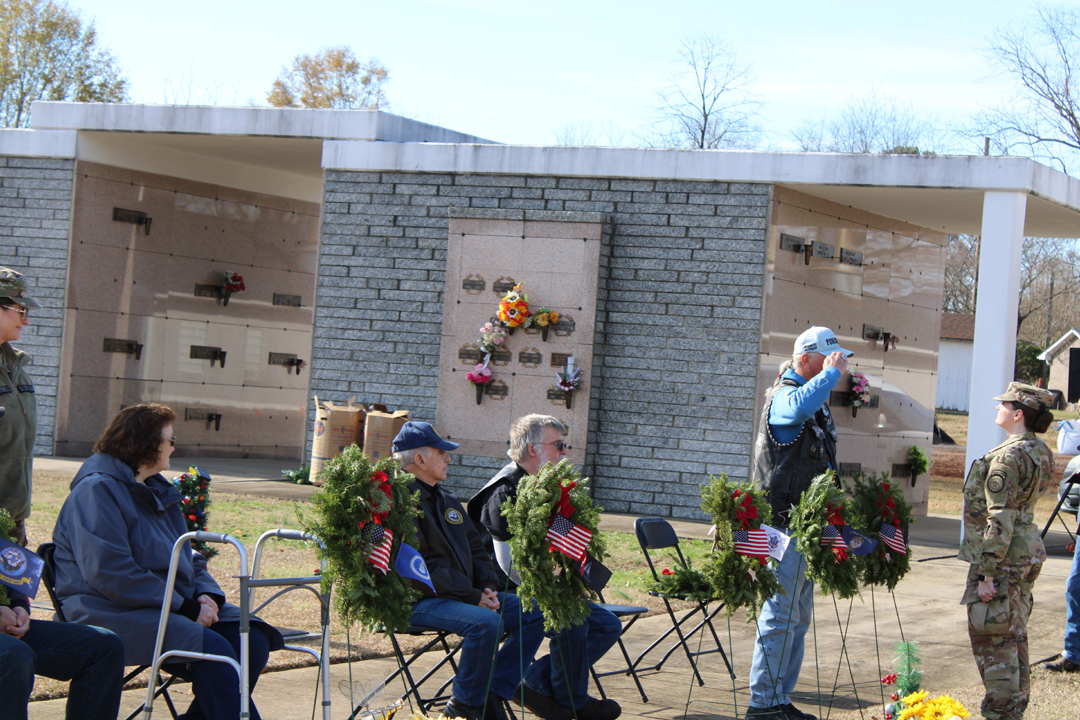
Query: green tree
<point>1029,368</point>
<point>331,78</point>
<point>49,52</point>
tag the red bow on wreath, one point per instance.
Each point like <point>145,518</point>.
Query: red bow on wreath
<point>563,507</point>
<point>888,505</point>
<point>745,510</point>
<point>383,483</point>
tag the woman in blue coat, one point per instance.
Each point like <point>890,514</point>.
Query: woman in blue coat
<point>114,540</point>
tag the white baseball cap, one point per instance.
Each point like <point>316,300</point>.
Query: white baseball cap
<point>819,340</point>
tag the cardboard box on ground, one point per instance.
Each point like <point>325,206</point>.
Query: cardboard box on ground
<point>373,427</point>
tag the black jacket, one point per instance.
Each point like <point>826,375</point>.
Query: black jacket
<point>452,548</point>
<point>484,505</point>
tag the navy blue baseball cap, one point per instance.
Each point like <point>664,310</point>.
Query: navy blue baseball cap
<point>420,434</point>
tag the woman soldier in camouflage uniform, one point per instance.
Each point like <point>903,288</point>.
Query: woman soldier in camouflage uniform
<point>1002,543</point>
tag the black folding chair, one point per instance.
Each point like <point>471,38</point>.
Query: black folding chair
<point>48,579</point>
<point>657,534</point>
<point>622,612</point>
<point>404,669</point>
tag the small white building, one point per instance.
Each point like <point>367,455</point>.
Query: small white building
<point>1057,357</point>
<point>954,361</point>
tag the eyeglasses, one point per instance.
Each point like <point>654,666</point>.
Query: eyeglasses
<point>559,445</point>
<point>25,312</point>
<point>172,441</point>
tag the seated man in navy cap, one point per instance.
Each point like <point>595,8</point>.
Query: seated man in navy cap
<point>465,601</point>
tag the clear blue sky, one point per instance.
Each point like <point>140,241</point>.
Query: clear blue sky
<point>517,71</point>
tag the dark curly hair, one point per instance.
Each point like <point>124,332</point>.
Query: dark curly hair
<point>134,435</point>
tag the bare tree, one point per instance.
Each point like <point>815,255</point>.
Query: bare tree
<point>1049,289</point>
<point>870,123</point>
<point>708,103</point>
<point>582,132</point>
<point>961,273</point>
<point>332,78</point>
<point>48,52</point>
<point>1043,118</point>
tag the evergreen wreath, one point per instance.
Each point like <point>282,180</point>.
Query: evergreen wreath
<point>685,583</point>
<point>194,485</point>
<point>875,502</point>
<point>548,576</point>
<point>353,494</point>
<point>737,580</point>
<point>823,504</point>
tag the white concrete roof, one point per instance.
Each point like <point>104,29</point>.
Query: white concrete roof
<point>1068,338</point>
<point>246,121</point>
<point>938,192</point>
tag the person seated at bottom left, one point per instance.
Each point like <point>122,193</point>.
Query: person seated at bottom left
<point>114,541</point>
<point>91,658</point>
<point>466,600</point>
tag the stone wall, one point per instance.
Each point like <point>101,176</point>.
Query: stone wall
<point>35,228</point>
<point>679,317</point>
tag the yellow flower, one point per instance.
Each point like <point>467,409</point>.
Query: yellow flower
<point>542,319</point>
<point>916,697</point>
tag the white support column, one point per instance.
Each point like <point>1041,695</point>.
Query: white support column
<point>994,351</point>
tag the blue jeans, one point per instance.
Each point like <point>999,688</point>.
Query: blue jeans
<point>781,628</point>
<point>215,684</point>
<point>564,672</point>
<point>91,658</point>
<point>1072,608</point>
<point>483,667</point>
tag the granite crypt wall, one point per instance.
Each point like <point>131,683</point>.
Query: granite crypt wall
<point>677,323</point>
<point>35,231</point>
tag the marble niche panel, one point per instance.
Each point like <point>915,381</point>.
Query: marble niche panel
<point>557,264</point>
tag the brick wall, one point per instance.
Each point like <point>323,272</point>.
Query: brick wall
<point>35,230</point>
<point>678,328</point>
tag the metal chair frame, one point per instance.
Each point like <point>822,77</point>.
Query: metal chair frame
<point>656,533</point>
<point>248,584</point>
<point>404,671</point>
<point>621,611</point>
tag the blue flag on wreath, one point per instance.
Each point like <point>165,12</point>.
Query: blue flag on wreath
<point>410,564</point>
<point>19,568</point>
<point>860,544</point>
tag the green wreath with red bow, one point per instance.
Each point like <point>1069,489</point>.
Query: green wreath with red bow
<point>737,579</point>
<point>879,510</point>
<point>359,510</point>
<point>549,575</point>
<point>817,522</point>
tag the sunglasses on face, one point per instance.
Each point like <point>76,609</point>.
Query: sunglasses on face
<point>559,445</point>
<point>25,312</point>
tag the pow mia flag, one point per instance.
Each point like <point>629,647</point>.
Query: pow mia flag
<point>19,568</point>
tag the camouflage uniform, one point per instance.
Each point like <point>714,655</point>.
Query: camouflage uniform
<point>1002,543</point>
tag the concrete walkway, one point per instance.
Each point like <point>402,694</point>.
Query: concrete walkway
<point>926,603</point>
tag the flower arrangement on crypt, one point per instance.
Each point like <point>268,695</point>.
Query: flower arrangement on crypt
<point>859,394</point>
<point>514,308</point>
<point>554,526</point>
<point>194,485</point>
<point>480,376</point>
<point>568,379</point>
<point>740,566</point>
<point>492,335</point>
<point>543,318</point>
<point>362,515</point>
<point>234,283</point>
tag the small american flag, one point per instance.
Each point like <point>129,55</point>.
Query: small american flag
<point>382,539</point>
<point>569,537</point>
<point>754,543</point>
<point>831,538</point>
<point>892,537</point>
